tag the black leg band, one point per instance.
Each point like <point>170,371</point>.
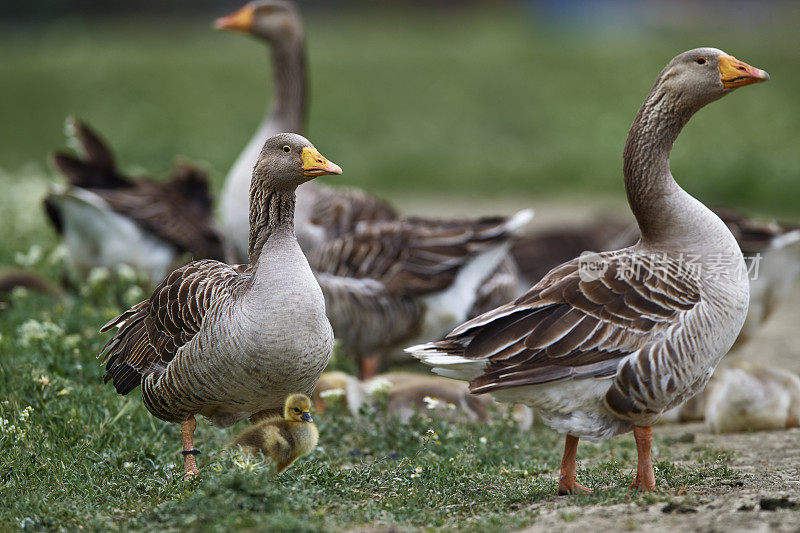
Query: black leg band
<point>190,452</point>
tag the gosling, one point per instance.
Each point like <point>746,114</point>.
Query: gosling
<point>285,439</point>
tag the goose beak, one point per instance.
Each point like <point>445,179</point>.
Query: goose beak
<point>314,164</point>
<point>306,417</point>
<point>241,20</point>
<point>737,73</point>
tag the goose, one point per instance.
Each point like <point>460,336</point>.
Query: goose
<point>230,342</point>
<point>283,439</point>
<point>388,284</point>
<point>107,219</point>
<point>772,253</point>
<point>748,397</point>
<point>603,345</point>
<point>322,212</point>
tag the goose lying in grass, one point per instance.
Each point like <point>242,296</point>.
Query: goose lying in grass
<point>322,212</point>
<point>283,439</point>
<point>387,284</point>
<point>408,392</point>
<point>747,397</point>
<point>230,342</point>
<point>603,345</point>
<point>108,219</point>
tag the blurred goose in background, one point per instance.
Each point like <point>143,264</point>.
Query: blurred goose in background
<point>747,397</point>
<point>108,219</point>
<point>230,342</point>
<point>409,392</point>
<point>604,345</point>
<point>386,284</point>
<point>14,279</point>
<point>772,253</point>
<point>322,212</point>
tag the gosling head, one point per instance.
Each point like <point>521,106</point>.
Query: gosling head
<point>288,160</point>
<point>703,75</point>
<point>275,21</point>
<point>297,408</point>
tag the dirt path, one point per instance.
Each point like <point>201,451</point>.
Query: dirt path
<point>770,466</point>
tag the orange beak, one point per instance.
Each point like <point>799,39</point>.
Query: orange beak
<point>241,20</point>
<point>737,73</point>
<point>315,164</point>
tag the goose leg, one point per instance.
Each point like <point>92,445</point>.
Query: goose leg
<point>368,366</point>
<point>568,482</point>
<point>645,477</point>
<point>189,462</point>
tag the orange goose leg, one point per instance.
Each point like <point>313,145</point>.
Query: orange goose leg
<point>645,477</point>
<point>189,463</point>
<point>568,482</point>
<point>368,366</point>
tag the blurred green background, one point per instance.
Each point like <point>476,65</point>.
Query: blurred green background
<point>442,100</point>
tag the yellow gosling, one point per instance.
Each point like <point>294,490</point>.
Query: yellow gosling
<point>283,439</point>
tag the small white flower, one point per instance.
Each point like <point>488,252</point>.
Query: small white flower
<point>127,464</point>
<point>430,403</point>
<point>58,255</point>
<point>417,472</point>
<point>33,256</point>
<point>33,330</point>
<point>98,275</point>
<point>332,394</point>
<point>126,273</point>
<point>43,380</point>
<point>25,414</point>
<point>134,294</point>
<point>378,385</point>
<point>483,440</point>
<point>19,293</point>
<point>451,406</point>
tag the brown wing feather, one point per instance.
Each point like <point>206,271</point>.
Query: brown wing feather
<point>151,332</point>
<point>569,328</point>
<point>409,256</point>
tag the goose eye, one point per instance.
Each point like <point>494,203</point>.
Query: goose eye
<point>700,60</point>
<point>296,410</point>
<point>287,148</point>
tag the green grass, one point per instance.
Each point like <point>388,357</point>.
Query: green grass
<point>456,104</point>
<point>84,457</point>
<point>485,103</point>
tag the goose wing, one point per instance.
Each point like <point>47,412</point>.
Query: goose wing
<point>571,324</point>
<point>178,210</point>
<point>411,256</point>
<point>150,333</point>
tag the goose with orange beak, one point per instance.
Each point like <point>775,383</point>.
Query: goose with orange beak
<point>232,342</point>
<point>601,352</point>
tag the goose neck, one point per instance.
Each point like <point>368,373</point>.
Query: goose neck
<point>655,198</point>
<point>271,213</point>
<point>289,77</point>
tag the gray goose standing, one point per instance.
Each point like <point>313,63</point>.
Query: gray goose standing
<point>392,283</point>
<point>322,212</point>
<point>604,345</point>
<point>108,219</point>
<point>232,342</point>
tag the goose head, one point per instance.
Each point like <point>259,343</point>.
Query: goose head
<point>275,21</point>
<point>288,160</point>
<point>297,408</point>
<point>702,75</point>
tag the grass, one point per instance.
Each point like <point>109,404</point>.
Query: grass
<point>463,104</point>
<point>80,456</point>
